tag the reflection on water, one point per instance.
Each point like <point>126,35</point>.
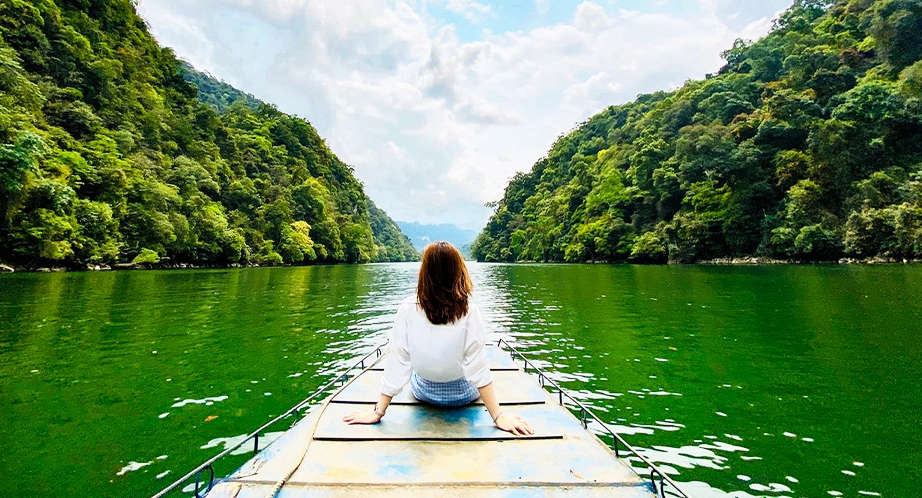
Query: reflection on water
<point>101,374</point>
<point>737,370</point>
<point>743,382</point>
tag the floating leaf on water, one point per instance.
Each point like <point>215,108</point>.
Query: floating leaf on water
<point>210,418</point>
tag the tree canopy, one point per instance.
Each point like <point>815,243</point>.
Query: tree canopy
<point>807,146</point>
<point>112,151</point>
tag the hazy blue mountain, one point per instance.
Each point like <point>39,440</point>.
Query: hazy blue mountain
<point>420,235</point>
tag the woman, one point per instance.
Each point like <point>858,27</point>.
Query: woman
<point>437,345</point>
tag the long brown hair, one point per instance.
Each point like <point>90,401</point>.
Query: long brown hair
<point>444,284</point>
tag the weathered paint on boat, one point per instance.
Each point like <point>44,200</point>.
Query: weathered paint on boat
<point>419,450</point>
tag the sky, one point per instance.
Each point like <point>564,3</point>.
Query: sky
<point>438,103</point>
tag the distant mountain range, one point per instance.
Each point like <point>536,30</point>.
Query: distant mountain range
<point>420,235</point>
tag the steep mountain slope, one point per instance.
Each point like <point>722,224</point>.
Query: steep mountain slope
<point>393,244</point>
<point>106,155</point>
<point>806,146</point>
<point>217,93</point>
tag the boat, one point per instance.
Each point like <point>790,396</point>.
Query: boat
<point>419,450</point>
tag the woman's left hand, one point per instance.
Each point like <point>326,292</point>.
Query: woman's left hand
<point>362,417</point>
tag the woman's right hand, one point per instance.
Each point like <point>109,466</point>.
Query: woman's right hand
<point>513,424</point>
<point>362,417</point>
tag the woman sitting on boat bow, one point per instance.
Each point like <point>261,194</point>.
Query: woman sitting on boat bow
<point>437,345</point>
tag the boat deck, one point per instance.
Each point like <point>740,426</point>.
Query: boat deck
<point>419,450</point>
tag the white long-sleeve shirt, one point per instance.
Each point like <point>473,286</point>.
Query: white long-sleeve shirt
<point>439,353</point>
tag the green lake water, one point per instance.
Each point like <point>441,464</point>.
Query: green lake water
<point>738,381</point>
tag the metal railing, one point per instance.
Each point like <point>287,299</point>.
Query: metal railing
<point>544,381</point>
<point>209,464</point>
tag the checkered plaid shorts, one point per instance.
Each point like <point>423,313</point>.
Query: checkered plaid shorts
<point>453,393</point>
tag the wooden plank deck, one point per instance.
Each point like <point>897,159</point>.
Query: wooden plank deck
<point>419,450</point>
<point>509,390</point>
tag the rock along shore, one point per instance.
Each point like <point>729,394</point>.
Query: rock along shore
<point>754,260</point>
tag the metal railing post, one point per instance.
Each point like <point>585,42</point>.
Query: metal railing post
<point>585,414</point>
<point>197,472</point>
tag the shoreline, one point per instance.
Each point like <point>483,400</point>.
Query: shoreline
<point>738,261</point>
<point>762,261</point>
<point>8,268</point>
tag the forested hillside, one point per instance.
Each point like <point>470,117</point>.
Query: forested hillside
<point>217,93</point>
<point>107,155</point>
<point>392,244</point>
<point>806,146</point>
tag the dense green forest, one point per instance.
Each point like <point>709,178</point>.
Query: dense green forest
<point>217,93</point>
<point>107,155</point>
<point>806,146</point>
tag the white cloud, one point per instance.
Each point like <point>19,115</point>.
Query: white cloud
<point>591,17</point>
<point>599,87</point>
<point>436,127</point>
<point>470,9</point>
<point>738,14</point>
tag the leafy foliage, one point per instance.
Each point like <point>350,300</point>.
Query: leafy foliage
<point>217,93</point>
<point>391,242</point>
<point>807,145</point>
<point>112,151</point>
